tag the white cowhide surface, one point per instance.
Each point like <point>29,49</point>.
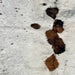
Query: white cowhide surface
<point>23,49</point>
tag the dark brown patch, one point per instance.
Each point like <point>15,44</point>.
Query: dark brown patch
<point>58,46</point>
<point>58,22</point>
<point>50,34</point>
<point>52,63</point>
<point>35,26</point>
<point>52,12</point>
<point>58,26</point>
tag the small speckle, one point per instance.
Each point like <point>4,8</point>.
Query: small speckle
<point>3,5</point>
<point>21,14</point>
<point>17,35</point>
<point>0,1</point>
<point>16,10</point>
<point>0,13</point>
<point>24,28</point>
<point>12,43</point>
<point>2,49</point>
<point>26,31</point>
<point>24,21</point>
<point>44,4</point>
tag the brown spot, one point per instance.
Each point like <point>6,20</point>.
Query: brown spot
<point>58,46</point>
<point>51,34</point>
<point>52,12</point>
<point>51,62</point>
<point>35,26</point>
<point>58,22</point>
<point>58,26</point>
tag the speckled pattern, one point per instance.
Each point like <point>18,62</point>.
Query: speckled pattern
<point>23,50</point>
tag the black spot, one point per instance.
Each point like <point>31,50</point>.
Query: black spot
<point>44,4</point>
<point>58,22</point>
<point>60,50</point>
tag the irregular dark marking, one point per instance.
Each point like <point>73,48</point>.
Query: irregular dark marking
<point>51,62</point>
<point>44,4</point>
<point>35,26</point>
<point>52,12</point>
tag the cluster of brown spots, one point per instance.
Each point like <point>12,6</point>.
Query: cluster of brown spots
<point>56,42</point>
<point>35,26</point>
<point>52,12</point>
<point>53,38</point>
<point>51,62</point>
